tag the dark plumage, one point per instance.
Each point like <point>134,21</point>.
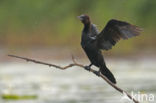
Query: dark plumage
<point>93,41</point>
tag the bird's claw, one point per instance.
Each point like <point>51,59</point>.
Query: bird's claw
<point>87,68</point>
<point>97,73</point>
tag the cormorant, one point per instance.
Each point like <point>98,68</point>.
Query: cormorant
<point>93,41</point>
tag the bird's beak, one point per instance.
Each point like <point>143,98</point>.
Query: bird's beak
<point>80,17</point>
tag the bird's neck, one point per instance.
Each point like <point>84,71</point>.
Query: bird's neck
<point>87,27</point>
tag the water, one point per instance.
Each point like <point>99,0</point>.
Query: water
<point>76,85</point>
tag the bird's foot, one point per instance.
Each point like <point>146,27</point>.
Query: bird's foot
<point>97,73</point>
<point>87,68</point>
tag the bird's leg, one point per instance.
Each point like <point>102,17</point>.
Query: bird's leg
<point>88,67</point>
<point>97,73</point>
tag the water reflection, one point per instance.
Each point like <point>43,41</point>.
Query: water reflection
<point>75,85</point>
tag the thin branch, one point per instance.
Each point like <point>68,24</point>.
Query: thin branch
<point>78,65</point>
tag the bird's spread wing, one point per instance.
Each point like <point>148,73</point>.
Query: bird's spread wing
<point>114,31</point>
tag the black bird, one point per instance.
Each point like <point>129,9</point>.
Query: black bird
<point>93,41</point>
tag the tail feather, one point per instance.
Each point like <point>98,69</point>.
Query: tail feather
<point>106,72</point>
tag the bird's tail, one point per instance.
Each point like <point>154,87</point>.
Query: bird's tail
<point>106,72</point>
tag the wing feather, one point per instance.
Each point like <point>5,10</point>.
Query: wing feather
<point>114,31</point>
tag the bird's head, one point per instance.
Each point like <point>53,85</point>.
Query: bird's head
<point>84,19</point>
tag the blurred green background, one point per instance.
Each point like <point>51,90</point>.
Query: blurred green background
<point>49,31</point>
<point>54,23</point>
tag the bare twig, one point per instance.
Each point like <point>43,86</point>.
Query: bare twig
<point>78,65</point>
